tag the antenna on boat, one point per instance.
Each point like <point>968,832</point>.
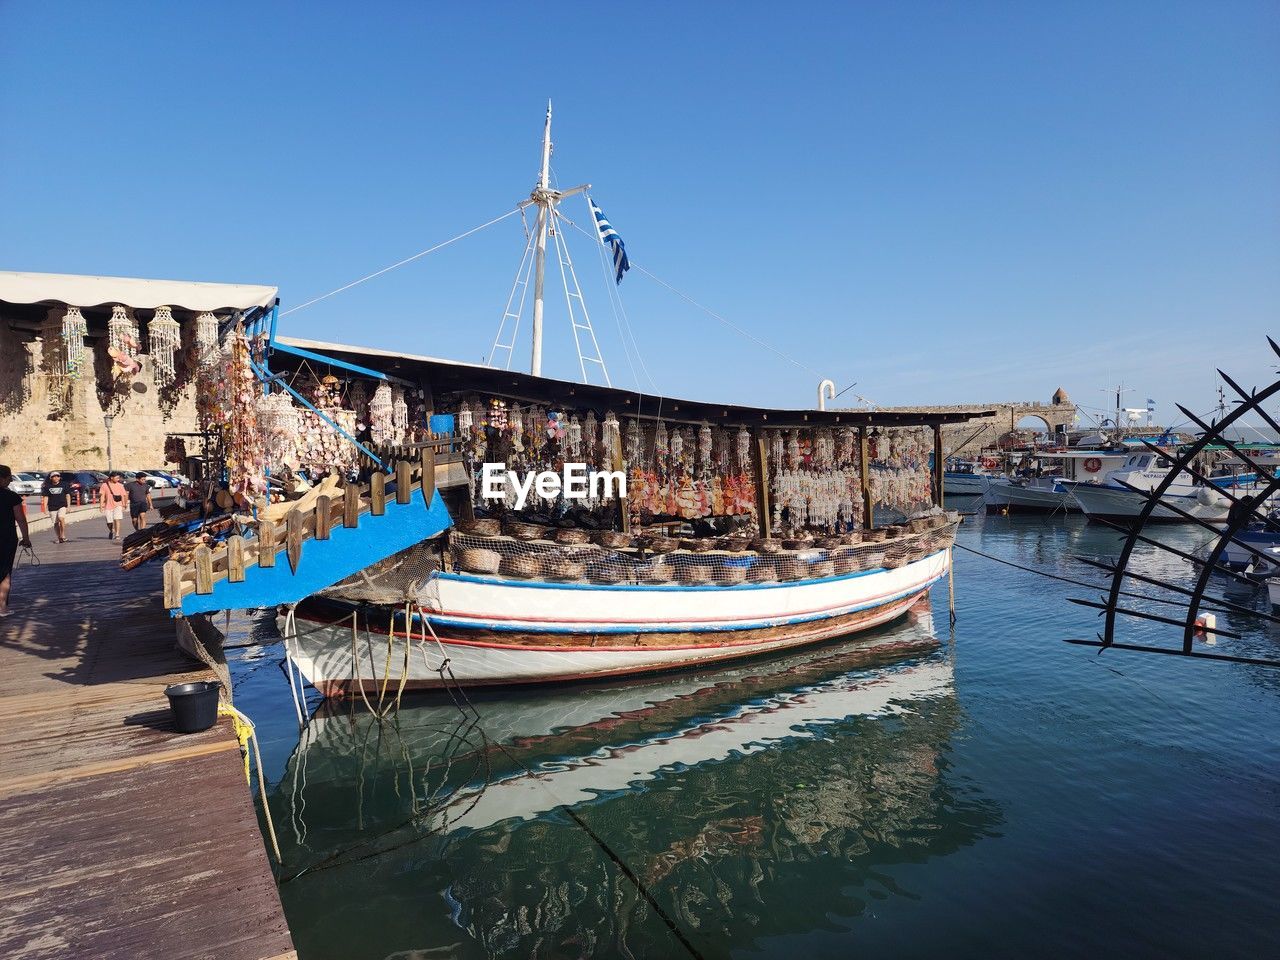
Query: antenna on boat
<point>542,197</point>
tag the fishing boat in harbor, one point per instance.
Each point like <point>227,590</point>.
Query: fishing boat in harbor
<point>1048,493</point>
<point>1122,494</point>
<point>564,530</point>
<point>968,478</point>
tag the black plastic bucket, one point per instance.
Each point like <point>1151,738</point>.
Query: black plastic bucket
<point>194,705</point>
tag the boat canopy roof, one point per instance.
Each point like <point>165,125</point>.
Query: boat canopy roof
<point>452,376</point>
<point>89,291</point>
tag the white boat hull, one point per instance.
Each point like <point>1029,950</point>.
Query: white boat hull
<point>494,631</point>
<point>1123,506</point>
<point>1011,498</point>
<point>965,484</point>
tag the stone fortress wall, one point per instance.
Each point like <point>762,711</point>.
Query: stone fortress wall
<point>34,437</point>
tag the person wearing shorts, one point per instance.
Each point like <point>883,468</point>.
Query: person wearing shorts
<point>112,498</point>
<point>13,517</point>
<point>54,499</point>
<point>139,501</point>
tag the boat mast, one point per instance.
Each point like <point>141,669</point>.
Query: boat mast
<point>542,196</point>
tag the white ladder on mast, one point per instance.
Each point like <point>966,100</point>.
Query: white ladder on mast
<point>521,286</point>
<point>567,273</point>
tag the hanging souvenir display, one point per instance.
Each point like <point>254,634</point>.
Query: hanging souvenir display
<point>281,426</point>
<point>359,397</point>
<point>206,341</point>
<point>704,448</point>
<point>777,448</point>
<point>573,439</point>
<point>612,439</point>
<point>742,449</point>
<point>242,439</point>
<point>900,477</point>
<point>591,436</point>
<point>123,343</point>
<point>381,426</point>
<point>399,416</point>
<point>164,336</point>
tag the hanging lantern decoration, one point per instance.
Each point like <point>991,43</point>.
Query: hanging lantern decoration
<point>381,414</point>
<point>399,416</point>
<point>163,338</point>
<point>742,449</point>
<point>74,330</point>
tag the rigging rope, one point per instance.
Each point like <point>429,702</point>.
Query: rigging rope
<point>401,263</point>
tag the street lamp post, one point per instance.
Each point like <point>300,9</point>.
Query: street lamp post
<point>108,419</point>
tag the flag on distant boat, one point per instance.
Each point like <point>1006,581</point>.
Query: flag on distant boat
<point>610,236</point>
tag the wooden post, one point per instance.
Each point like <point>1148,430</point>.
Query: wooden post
<point>378,493</point>
<point>938,465</point>
<point>404,481</point>
<point>428,479</point>
<point>760,458</point>
<point>351,505</point>
<point>624,509</point>
<point>204,569</point>
<point>864,473</point>
<point>172,585</point>
<point>293,531</point>
<point>266,543</point>
<point>235,558</point>
<point>324,516</point>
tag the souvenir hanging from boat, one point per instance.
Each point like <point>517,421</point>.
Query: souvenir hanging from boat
<point>900,477</point>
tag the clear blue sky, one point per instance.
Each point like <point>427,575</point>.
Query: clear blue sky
<point>946,202</point>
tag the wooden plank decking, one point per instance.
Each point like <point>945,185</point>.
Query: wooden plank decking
<point>118,836</point>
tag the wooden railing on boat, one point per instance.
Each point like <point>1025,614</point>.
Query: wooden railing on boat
<point>233,559</point>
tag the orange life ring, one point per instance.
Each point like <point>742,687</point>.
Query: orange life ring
<point>1093,464</point>
<point>990,463</point>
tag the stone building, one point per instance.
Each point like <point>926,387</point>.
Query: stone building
<point>75,351</point>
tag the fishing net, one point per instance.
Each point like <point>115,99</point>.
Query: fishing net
<point>394,580</point>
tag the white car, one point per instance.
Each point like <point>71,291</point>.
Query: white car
<point>26,484</point>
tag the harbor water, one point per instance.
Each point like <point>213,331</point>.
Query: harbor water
<point>985,790</point>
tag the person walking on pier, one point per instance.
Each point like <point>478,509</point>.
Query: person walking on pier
<point>54,499</point>
<point>14,519</point>
<point>139,501</point>
<point>112,497</point>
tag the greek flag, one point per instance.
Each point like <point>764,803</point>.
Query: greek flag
<point>610,236</point>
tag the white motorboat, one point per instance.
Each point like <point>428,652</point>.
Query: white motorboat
<point>967,478</point>
<point>1113,501</point>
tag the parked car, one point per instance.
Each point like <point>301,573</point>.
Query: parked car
<point>84,484</point>
<point>158,480</point>
<point>26,484</point>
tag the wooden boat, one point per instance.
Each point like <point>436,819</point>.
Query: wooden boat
<point>746,532</point>
<point>493,630</point>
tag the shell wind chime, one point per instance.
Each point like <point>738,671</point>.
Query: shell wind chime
<point>611,437</point>
<point>742,449</point>
<point>164,336</point>
<point>573,441</point>
<point>123,343</point>
<point>381,413</point>
<point>591,435</point>
<point>280,425</point>
<point>399,416</point>
<point>206,342</point>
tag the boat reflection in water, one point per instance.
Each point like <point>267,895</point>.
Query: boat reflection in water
<point>725,793</point>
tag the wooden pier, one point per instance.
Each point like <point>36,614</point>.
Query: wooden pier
<point>119,837</point>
